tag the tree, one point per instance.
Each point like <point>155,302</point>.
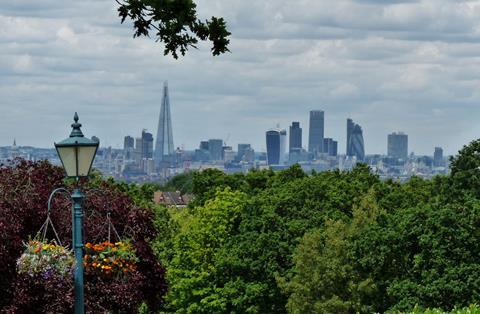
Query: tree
<point>323,278</point>
<point>24,191</point>
<point>175,23</point>
<point>465,169</point>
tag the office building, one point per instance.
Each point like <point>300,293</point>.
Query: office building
<point>350,126</point>
<point>147,145</point>
<point>273,147</point>
<point>215,148</point>
<point>355,144</point>
<point>128,147</point>
<point>397,145</point>
<point>164,148</point>
<point>283,146</point>
<point>249,155</point>
<point>295,143</point>
<point>438,157</point>
<point>330,147</point>
<point>204,145</point>
<point>242,148</point>
<point>316,132</point>
<point>138,150</point>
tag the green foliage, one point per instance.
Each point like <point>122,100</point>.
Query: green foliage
<point>323,279</point>
<point>465,169</point>
<point>228,251</point>
<point>182,183</point>
<point>193,272</point>
<point>329,242</point>
<point>175,23</point>
<point>471,309</point>
<point>141,194</point>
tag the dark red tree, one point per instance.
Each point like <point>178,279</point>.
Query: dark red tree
<point>24,191</point>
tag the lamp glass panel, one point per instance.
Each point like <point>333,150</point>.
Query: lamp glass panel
<point>67,155</point>
<point>86,154</point>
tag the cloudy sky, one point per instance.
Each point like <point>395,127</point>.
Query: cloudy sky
<point>411,66</point>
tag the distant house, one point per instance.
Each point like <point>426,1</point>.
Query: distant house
<point>172,199</point>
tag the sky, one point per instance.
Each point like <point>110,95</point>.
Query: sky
<point>390,65</point>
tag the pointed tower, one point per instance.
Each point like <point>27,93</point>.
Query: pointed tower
<point>164,144</point>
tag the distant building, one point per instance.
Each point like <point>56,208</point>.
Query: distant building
<point>397,145</point>
<point>273,147</point>
<point>215,148</point>
<point>164,148</point>
<point>295,143</point>
<point>128,147</point>
<point>242,148</point>
<point>14,153</point>
<point>204,145</point>
<point>438,157</point>
<point>147,145</point>
<point>316,132</point>
<point>330,147</point>
<point>249,155</point>
<point>350,126</point>
<point>228,154</point>
<point>283,146</point>
<point>355,144</point>
<point>172,199</point>
<point>138,150</point>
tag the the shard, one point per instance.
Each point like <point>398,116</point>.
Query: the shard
<point>164,144</point>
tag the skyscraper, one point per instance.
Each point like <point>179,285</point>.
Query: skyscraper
<point>438,157</point>
<point>215,147</point>
<point>295,143</point>
<point>350,126</point>
<point>330,146</point>
<point>147,145</point>
<point>316,131</point>
<point>398,145</point>
<point>273,147</point>
<point>128,147</point>
<point>355,144</point>
<point>283,146</point>
<point>164,145</point>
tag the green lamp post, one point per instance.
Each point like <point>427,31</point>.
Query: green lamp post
<point>77,154</point>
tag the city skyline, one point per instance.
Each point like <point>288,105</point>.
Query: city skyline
<point>287,58</point>
<point>355,128</point>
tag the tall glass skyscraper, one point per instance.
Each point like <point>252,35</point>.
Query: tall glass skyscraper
<point>397,146</point>
<point>316,131</point>
<point>273,147</point>
<point>147,145</point>
<point>164,148</point>
<point>438,157</point>
<point>355,144</point>
<point>295,143</point>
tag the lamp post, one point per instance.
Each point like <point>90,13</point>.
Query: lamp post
<point>77,154</point>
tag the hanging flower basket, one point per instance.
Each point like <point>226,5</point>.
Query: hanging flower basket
<point>45,258</point>
<point>110,259</point>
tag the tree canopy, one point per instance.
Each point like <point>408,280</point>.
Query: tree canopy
<point>174,23</point>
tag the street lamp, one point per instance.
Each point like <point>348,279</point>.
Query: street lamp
<point>77,154</point>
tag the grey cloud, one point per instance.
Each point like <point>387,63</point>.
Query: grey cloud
<point>399,66</point>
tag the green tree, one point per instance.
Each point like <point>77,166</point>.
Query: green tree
<point>465,169</point>
<point>323,279</point>
<point>175,23</point>
<point>193,272</point>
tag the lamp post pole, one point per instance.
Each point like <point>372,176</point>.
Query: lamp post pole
<point>77,154</point>
<point>77,236</point>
